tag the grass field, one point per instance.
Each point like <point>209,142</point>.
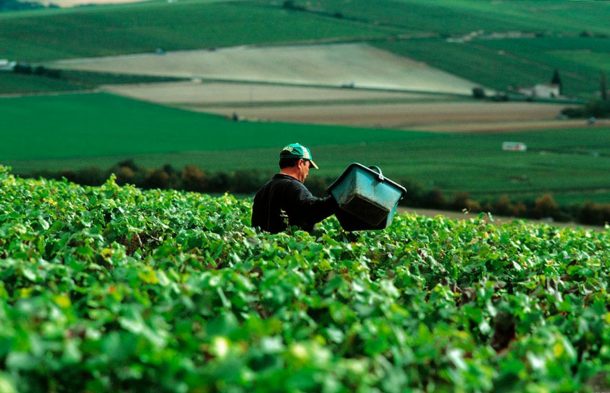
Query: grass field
<point>464,16</point>
<point>499,63</point>
<point>518,62</point>
<point>20,84</point>
<point>11,83</point>
<point>96,125</point>
<point>138,28</point>
<point>77,131</point>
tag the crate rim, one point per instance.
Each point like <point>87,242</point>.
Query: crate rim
<point>377,174</point>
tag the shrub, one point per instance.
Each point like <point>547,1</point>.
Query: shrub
<point>574,112</point>
<point>23,69</point>
<point>219,182</point>
<point>519,210</point>
<point>434,199</point>
<point>193,179</point>
<point>478,92</point>
<point>246,181</point>
<point>503,206</point>
<point>596,108</point>
<point>158,178</point>
<point>545,206</point>
<point>595,214</point>
<point>415,193</point>
<point>125,175</point>
<point>87,176</point>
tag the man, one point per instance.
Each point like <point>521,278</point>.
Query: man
<point>285,201</point>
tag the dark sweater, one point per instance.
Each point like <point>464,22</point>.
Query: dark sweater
<point>285,200</point>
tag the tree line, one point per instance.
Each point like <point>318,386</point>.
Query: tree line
<point>247,182</point>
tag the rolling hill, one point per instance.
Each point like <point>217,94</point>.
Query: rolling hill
<point>84,130</point>
<point>493,43</point>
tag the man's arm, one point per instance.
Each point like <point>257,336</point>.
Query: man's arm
<point>309,209</point>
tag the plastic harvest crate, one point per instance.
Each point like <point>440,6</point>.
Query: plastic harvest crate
<point>366,199</point>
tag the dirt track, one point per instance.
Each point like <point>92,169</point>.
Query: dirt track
<point>352,107</point>
<point>441,116</point>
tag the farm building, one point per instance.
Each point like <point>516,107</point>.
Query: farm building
<point>514,146</point>
<point>6,65</point>
<point>541,91</point>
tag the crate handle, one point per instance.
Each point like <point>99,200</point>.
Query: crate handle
<point>378,170</point>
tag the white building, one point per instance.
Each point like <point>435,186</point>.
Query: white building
<point>541,91</point>
<point>6,65</point>
<point>514,146</point>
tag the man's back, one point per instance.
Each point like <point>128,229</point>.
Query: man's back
<point>284,201</point>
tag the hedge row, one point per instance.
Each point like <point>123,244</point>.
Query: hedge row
<point>192,178</point>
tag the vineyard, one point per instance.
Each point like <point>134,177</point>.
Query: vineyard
<point>117,289</point>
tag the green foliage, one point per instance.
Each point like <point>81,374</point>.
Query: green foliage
<point>596,108</point>
<point>84,121</point>
<point>28,79</point>
<point>115,289</point>
<point>13,83</point>
<point>16,5</point>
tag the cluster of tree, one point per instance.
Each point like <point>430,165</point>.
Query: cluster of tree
<point>542,207</point>
<point>88,79</point>
<point>193,178</point>
<point>597,108</point>
<point>16,5</point>
<point>22,68</point>
<point>294,6</point>
<point>189,178</point>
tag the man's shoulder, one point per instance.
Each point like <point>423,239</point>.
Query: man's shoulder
<point>280,181</point>
<point>285,180</point>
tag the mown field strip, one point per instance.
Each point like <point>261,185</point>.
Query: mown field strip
<point>203,93</point>
<point>331,65</point>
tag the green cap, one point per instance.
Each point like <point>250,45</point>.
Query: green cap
<point>296,150</point>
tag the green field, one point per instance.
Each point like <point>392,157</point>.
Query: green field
<point>140,28</point>
<point>76,131</point>
<point>464,16</point>
<point>501,63</point>
<point>498,63</point>
<point>116,289</point>
<point>68,81</point>
<point>11,83</point>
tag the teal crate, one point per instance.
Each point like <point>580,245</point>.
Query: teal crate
<point>366,199</point>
